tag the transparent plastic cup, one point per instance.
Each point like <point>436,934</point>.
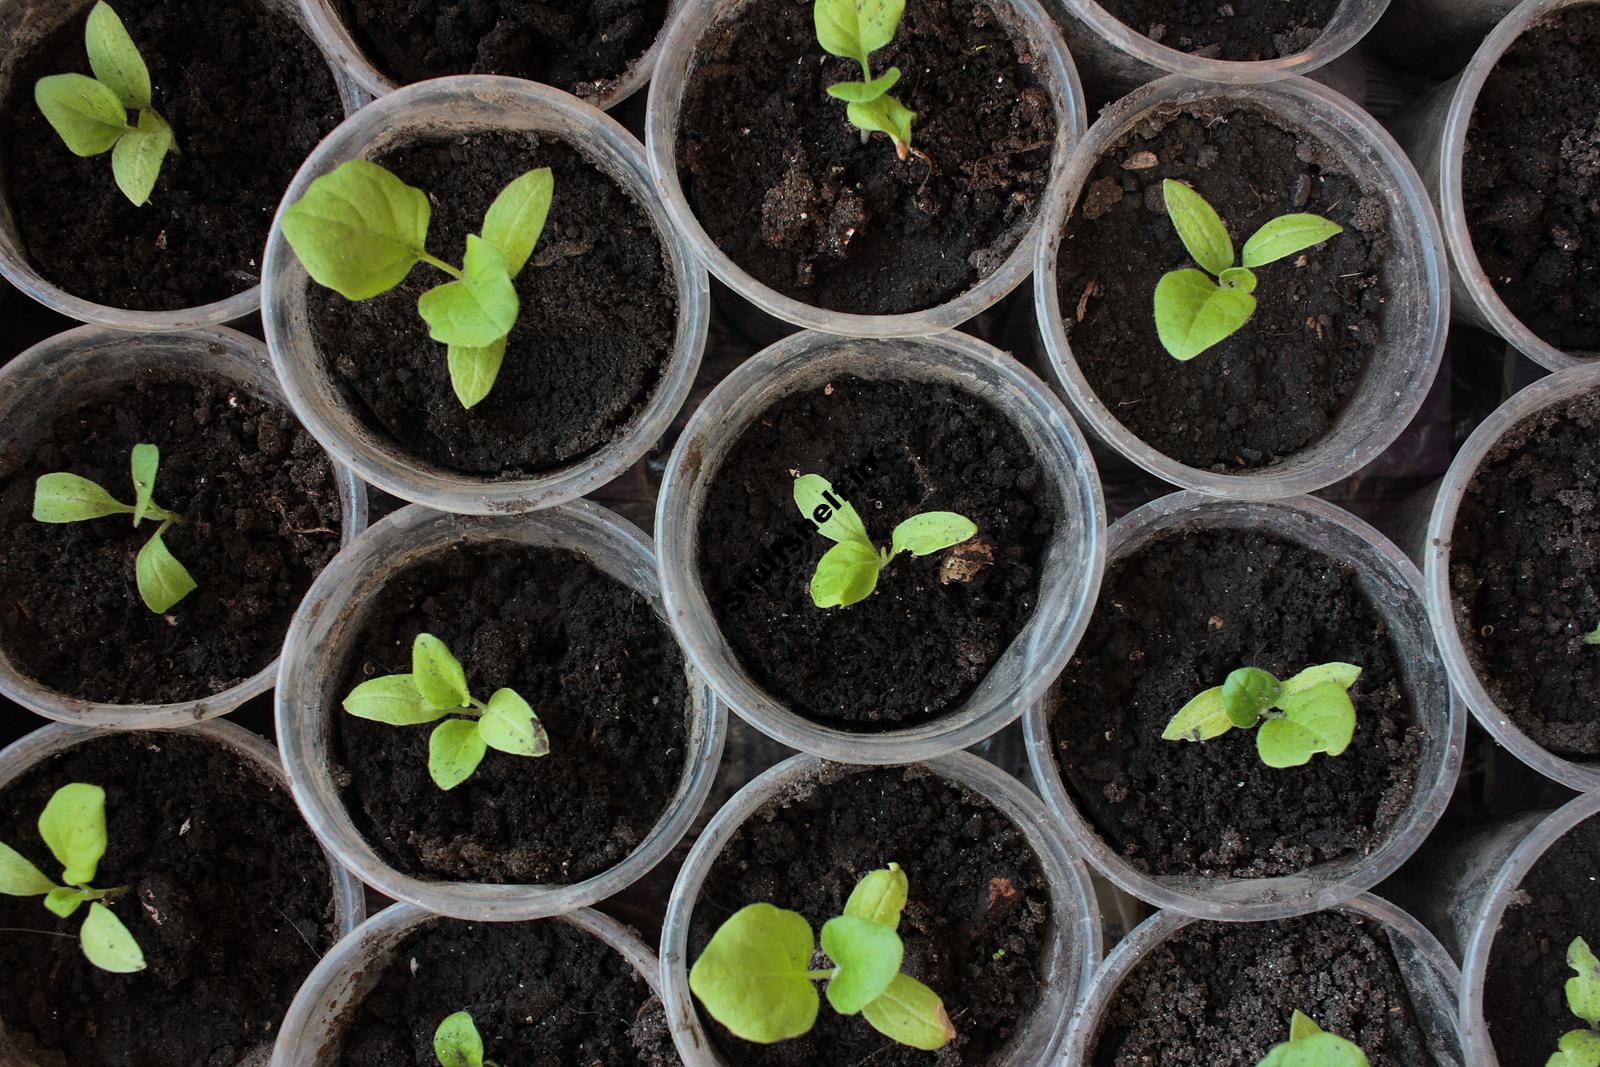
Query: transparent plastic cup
<point>1429,974</point>
<point>1394,588</point>
<point>23,23</point>
<point>1399,371</point>
<point>312,671</point>
<point>58,373</point>
<point>17,759</point>
<point>1024,18</point>
<point>460,106</point>
<point>1436,35</point>
<point>1074,935</point>
<point>1069,577</point>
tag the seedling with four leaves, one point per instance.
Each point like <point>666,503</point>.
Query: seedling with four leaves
<point>1309,1045</point>
<point>456,1043</point>
<point>854,29</point>
<point>1581,1048</point>
<point>1294,719</point>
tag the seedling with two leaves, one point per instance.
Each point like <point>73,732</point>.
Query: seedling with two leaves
<point>1581,1048</point>
<point>854,29</point>
<point>73,826</point>
<point>1293,719</point>
<point>1311,1046</point>
<point>457,1043</point>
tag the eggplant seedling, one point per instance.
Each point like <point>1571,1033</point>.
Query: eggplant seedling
<point>63,497</point>
<point>848,572</point>
<point>91,114</point>
<point>1309,1045</point>
<point>1581,1048</point>
<point>1593,636</point>
<point>1193,312</point>
<point>456,1043</point>
<point>1309,713</point>
<point>73,826</point>
<point>854,29</point>
<point>436,688</point>
<point>359,230</point>
<point>755,978</point>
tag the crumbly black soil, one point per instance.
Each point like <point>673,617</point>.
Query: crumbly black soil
<point>248,96</point>
<point>582,46</point>
<point>1524,989</point>
<point>932,629</point>
<point>597,321</point>
<point>599,669</point>
<point>1531,179</point>
<point>229,901</point>
<point>1173,620</point>
<point>539,993</point>
<point>782,183</point>
<point>1275,386</point>
<point>1525,575</point>
<point>261,517</point>
<point>977,893</point>
<point>1221,995</point>
<point>1228,29</point>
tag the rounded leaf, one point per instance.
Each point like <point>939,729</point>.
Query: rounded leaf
<point>1318,1050</point>
<point>455,748</point>
<point>63,497</point>
<point>856,28</point>
<point>510,725</point>
<point>1238,278</point>
<point>393,699</point>
<point>846,574</point>
<point>136,160</point>
<point>880,896</point>
<point>162,580</point>
<point>114,58</point>
<point>86,115</point>
<point>1280,743</point>
<point>107,943</point>
<point>64,900</point>
<point>456,1042</point>
<point>839,520</point>
<point>1578,1048</point>
<point>1199,227</point>
<point>1286,235</point>
<point>358,229</point>
<point>931,532</point>
<point>473,370</point>
<point>18,877</point>
<point>516,219</point>
<point>1326,712</point>
<point>1246,693</point>
<point>477,309</point>
<point>437,674</point>
<point>866,957</point>
<point>73,825</point>
<point>912,1014</point>
<point>751,977</point>
<point>1193,312</point>
<point>1201,719</point>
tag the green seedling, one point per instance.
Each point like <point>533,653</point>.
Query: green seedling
<point>436,688</point>
<point>1193,312</point>
<point>1297,718</point>
<point>63,497</point>
<point>91,114</point>
<point>755,975</point>
<point>854,29</point>
<point>359,230</point>
<point>848,572</point>
<point>1309,1045</point>
<point>73,826</point>
<point>456,1043</point>
<point>1593,636</point>
<point>1581,1048</point>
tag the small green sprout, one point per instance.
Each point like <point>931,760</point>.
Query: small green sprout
<point>1593,636</point>
<point>1307,714</point>
<point>754,976</point>
<point>359,230</point>
<point>1309,1045</point>
<point>848,572</point>
<point>91,114</point>
<point>456,1043</point>
<point>63,497</point>
<point>1581,1048</point>
<point>436,687</point>
<point>854,29</point>
<point>73,826</point>
<point>1192,311</point>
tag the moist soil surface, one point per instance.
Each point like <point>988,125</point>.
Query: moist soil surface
<point>247,95</point>
<point>935,624</point>
<point>229,900</point>
<point>261,516</point>
<point>596,326</point>
<point>1531,179</point>
<point>1227,29</point>
<point>539,993</point>
<point>975,928</point>
<point>784,185</point>
<point>1221,995</point>
<point>1524,989</point>
<point>584,47</point>
<point>1524,560</point>
<point>598,668</point>
<point>1275,386</point>
<point>1173,620</point>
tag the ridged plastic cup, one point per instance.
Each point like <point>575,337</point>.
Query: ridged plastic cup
<point>1394,588</point>
<point>1429,974</point>
<point>312,672</point>
<point>62,371</point>
<point>1399,371</point>
<point>457,107</point>
<point>1069,577</point>
<point>310,1033</point>
<point>1025,18</point>
<point>23,23</point>
<point>16,760</point>
<point>1074,935</point>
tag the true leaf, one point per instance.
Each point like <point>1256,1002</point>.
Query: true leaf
<point>516,218</point>
<point>162,580</point>
<point>863,92</point>
<point>1318,1049</point>
<point>1199,227</point>
<point>866,956</point>
<point>456,1042</point>
<point>1578,1048</point>
<point>1201,719</point>
<point>1286,235</point>
<point>1281,743</point>
<point>509,725</point>
<point>136,159</point>
<point>18,877</point>
<point>455,748</point>
<point>846,574</point>
<point>842,523</point>
<point>752,978</point>
<point>1326,711</point>
<point>880,896</point>
<point>145,461</point>
<point>1345,674</point>
<point>359,229</point>
<point>1238,278</point>
<point>64,900</point>
<point>87,115</point>
<point>108,944</point>
<point>887,115</point>
<point>63,497</point>
<point>1583,992</point>
<point>1246,693</point>
<point>1193,312</point>
<point>856,28</point>
<point>930,532</point>
<point>73,826</point>
<point>115,59</point>
<point>1302,1026</point>
<point>910,1013</point>
<point>473,370</point>
<point>392,699</point>
<point>477,309</point>
<point>437,674</point>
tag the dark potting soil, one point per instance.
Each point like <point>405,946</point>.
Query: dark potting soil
<point>975,930</point>
<point>1531,179</point>
<point>783,184</point>
<point>599,669</point>
<point>261,516</point>
<point>585,47</point>
<point>1173,620</point>
<point>1275,386</point>
<point>539,993</point>
<point>1222,994</point>
<point>248,96</point>
<point>1524,563</point>
<point>597,321</point>
<point>229,901</point>
<point>935,624</point>
<point>1227,29</point>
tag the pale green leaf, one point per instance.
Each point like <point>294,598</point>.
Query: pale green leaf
<point>18,877</point>
<point>751,977</point>
<point>437,674</point>
<point>836,517</point>
<point>73,825</point>
<point>162,580</point>
<point>865,92</point>
<point>359,229</point>
<point>477,309</point>
<point>145,461</point>
<point>1239,278</point>
<point>393,699</point>
<point>856,28</point>
<point>1246,693</point>
<point>455,748</point>
<point>510,725</point>
<point>1281,743</point>
<point>63,497</point>
<point>473,370</point>
<point>1326,711</point>
<point>887,115</point>
<point>456,1042</point>
<point>1193,312</point>
<point>1583,991</point>
<point>516,218</point>
<point>846,574</point>
<point>1578,1048</point>
<point>1201,719</point>
<point>115,59</point>
<point>866,957</point>
<point>910,1013</point>
<point>64,900</point>
<point>1343,673</point>
<point>1313,1047</point>
<point>1199,227</point>
<point>87,115</point>
<point>880,896</point>
<point>1286,235</point>
<point>136,160</point>
<point>108,944</point>
<point>1593,636</point>
<point>930,532</point>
